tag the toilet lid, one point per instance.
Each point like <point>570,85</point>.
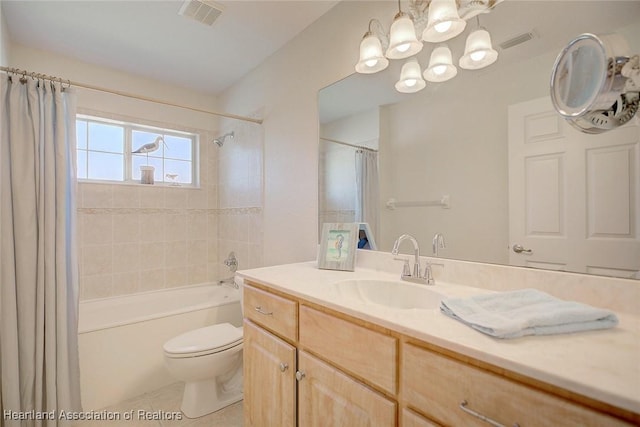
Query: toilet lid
<point>209,339</point>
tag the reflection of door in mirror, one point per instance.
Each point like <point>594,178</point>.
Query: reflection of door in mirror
<point>348,179</point>
<point>574,199</point>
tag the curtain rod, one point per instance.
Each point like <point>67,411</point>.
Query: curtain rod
<point>349,145</point>
<point>125,94</point>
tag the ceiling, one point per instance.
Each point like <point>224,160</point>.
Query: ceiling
<point>553,23</point>
<point>149,38</point>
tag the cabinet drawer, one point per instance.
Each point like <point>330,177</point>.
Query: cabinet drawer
<point>437,385</point>
<point>368,354</point>
<point>275,313</point>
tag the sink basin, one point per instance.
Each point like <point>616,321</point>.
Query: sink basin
<point>388,293</point>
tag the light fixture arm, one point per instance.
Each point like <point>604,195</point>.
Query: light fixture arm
<point>376,29</point>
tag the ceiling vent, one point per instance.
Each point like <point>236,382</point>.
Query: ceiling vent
<point>203,11</point>
<point>519,39</point>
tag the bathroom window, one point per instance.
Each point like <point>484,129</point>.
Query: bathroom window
<point>106,152</point>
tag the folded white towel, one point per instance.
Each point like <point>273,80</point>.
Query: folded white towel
<point>523,312</point>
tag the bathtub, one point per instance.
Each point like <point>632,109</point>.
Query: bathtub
<point>120,339</point>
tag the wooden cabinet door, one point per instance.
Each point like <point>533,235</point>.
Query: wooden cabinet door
<point>269,379</point>
<point>327,397</point>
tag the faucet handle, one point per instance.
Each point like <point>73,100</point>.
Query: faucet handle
<point>406,269</point>
<point>428,274</point>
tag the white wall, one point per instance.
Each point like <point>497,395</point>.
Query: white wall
<point>50,63</point>
<point>434,147</point>
<point>4,41</point>
<point>359,129</point>
<point>337,174</point>
<point>286,86</point>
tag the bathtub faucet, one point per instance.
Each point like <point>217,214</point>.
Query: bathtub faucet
<point>229,281</point>
<point>231,262</point>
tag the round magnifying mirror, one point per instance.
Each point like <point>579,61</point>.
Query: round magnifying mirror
<point>586,79</point>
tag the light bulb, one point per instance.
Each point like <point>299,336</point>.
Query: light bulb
<point>443,27</point>
<point>402,38</point>
<point>478,55</point>
<point>444,21</point>
<point>371,58</point>
<point>410,82</point>
<point>403,47</point>
<point>439,69</point>
<point>371,63</point>
<point>478,52</point>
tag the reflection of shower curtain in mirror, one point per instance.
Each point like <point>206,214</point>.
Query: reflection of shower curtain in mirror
<point>367,189</point>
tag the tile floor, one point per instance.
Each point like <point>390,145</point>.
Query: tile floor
<point>165,402</point>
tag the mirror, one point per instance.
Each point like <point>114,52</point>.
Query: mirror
<point>444,158</point>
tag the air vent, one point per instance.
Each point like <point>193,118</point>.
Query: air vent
<point>203,11</point>
<point>519,39</point>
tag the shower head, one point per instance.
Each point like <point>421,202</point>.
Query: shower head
<point>220,141</point>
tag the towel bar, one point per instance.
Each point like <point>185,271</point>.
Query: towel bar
<point>444,202</point>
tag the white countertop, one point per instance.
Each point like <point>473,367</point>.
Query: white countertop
<point>602,365</point>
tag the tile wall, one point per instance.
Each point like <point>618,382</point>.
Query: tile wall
<point>135,238</point>
<point>240,196</point>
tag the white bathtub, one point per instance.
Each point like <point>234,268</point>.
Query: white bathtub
<point>121,338</point>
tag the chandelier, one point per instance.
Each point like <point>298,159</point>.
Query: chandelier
<point>436,21</point>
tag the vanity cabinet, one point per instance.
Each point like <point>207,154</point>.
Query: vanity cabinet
<point>456,393</point>
<point>326,394</point>
<point>308,365</point>
<point>270,385</point>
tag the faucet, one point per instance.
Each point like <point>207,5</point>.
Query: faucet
<point>417,276</point>
<point>231,262</point>
<point>438,242</point>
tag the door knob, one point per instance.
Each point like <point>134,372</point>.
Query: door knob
<point>283,366</point>
<point>300,375</point>
<point>520,249</point>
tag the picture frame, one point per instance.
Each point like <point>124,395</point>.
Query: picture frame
<point>338,244</point>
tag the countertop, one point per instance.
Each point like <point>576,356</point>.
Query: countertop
<point>602,365</point>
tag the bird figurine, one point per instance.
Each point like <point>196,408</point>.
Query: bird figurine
<point>172,177</point>
<point>151,146</point>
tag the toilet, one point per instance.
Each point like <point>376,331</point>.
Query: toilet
<point>209,361</point>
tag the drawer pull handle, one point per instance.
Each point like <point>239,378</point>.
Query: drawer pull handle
<point>261,311</point>
<point>463,406</point>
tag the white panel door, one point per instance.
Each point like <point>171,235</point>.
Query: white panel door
<point>574,198</point>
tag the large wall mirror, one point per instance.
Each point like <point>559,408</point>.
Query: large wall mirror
<point>483,159</point>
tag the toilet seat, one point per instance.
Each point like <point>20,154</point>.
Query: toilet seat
<point>203,341</point>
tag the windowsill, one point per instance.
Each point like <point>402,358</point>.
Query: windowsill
<point>137,184</point>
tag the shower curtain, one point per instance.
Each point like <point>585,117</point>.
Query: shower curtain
<point>39,369</point>
<point>367,189</point>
